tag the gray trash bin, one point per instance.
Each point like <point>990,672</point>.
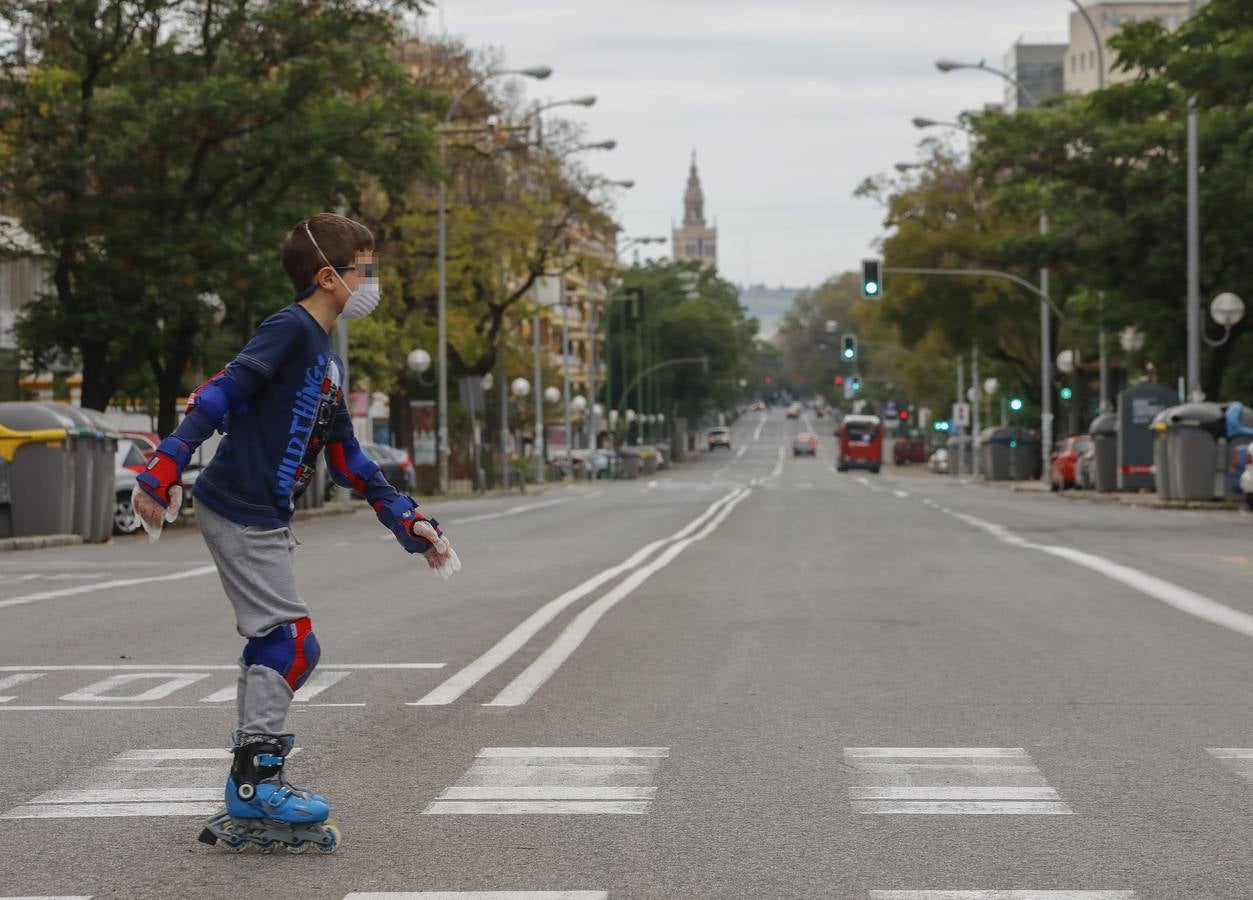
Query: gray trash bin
<point>954,455</point>
<point>1024,456</point>
<point>995,444</point>
<point>94,465</point>
<point>107,438</point>
<point>41,455</point>
<point>1197,451</point>
<point>649,459</point>
<point>1104,431</point>
<point>1163,483</point>
<point>629,462</point>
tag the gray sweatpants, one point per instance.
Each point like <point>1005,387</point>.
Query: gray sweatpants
<point>255,565</point>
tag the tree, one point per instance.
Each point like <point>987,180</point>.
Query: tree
<point>160,150</point>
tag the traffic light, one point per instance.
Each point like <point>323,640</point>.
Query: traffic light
<point>856,383</point>
<point>904,415</point>
<point>1015,404</point>
<point>848,347</point>
<point>1066,393</point>
<point>769,380</point>
<point>871,283</point>
<point>839,380</point>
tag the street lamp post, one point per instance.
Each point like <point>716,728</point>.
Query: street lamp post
<point>441,440</point>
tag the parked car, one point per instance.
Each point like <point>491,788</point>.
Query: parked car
<point>908,450</point>
<point>719,437</point>
<point>591,463</point>
<point>146,441</point>
<point>938,462</point>
<point>128,462</point>
<point>1085,470</point>
<point>1062,469</point>
<point>805,444</point>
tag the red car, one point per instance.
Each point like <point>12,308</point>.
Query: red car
<point>1062,470</point>
<point>861,443</point>
<point>146,441</point>
<point>909,450</point>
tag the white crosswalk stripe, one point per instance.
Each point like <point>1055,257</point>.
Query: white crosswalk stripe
<point>479,895</point>
<point>949,781</point>
<point>555,781</point>
<point>190,783</point>
<point>1002,895</point>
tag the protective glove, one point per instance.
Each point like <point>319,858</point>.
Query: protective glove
<point>418,534</point>
<point>161,483</point>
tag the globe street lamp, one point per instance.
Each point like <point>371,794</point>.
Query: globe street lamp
<point>537,72</point>
<point>520,387</point>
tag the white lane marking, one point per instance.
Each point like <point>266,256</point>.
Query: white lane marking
<point>105,585</point>
<point>562,648</point>
<point>317,683</point>
<point>517,510</point>
<point>1172,595</point>
<point>900,494</point>
<point>865,482</point>
<point>555,781</point>
<point>69,708</point>
<point>121,787</point>
<point>15,680</point>
<point>58,897</point>
<point>468,895</point>
<point>777,470</point>
<point>154,667</point>
<point>102,691</point>
<point>1237,759</point>
<point>593,495</point>
<point>225,695</point>
<point>760,426</point>
<point>1002,895</point>
<point>968,781</point>
<point>740,452</point>
<point>511,643</point>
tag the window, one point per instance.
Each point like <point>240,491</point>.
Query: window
<point>691,249</point>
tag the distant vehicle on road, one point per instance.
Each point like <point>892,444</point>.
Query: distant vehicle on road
<point>909,450</point>
<point>719,437</point>
<point>805,444</point>
<point>938,462</point>
<point>794,411</point>
<point>758,405</point>
<point>861,443</point>
<point>1062,469</point>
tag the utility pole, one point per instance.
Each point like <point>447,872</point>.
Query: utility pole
<point>538,448</point>
<point>975,423</point>
<point>1194,251</point>
<point>1046,366</point>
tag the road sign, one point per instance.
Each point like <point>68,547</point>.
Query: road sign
<point>961,414</point>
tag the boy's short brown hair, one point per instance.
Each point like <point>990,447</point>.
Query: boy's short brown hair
<point>340,238</point>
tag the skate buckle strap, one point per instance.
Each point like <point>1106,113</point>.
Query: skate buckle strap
<point>268,759</point>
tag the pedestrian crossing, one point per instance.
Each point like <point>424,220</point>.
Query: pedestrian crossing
<point>1237,759</point>
<point>555,781</point>
<point>949,781</point>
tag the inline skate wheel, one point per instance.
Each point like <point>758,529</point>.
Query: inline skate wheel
<point>266,846</point>
<point>236,846</point>
<point>297,847</point>
<point>333,843</point>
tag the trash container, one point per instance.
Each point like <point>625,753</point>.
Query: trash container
<point>1239,438</point>
<point>1197,452</point>
<point>649,460</point>
<point>107,438</point>
<point>995,447</point>
<point>1163,482</point>
<point>954,455</point>
<point>94,465</point>
<point>39,452</point>
<point>1104,431</point>
<point>1024,456</point>
<point>629,459</point>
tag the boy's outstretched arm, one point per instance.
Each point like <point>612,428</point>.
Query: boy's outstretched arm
<point>351,468</point>
<point>158,490</point>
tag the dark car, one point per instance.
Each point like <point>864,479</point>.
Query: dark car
<point>805,444</point>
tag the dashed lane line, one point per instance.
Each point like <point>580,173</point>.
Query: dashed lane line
<point>506,647</point>
<point>474,895</point>
<point>105,585</point>
<point>739,454</point>
<point>532,678</point>
<point>1002,895</point>
<point>760,426</point>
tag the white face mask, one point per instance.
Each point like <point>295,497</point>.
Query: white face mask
<point>364,299</point>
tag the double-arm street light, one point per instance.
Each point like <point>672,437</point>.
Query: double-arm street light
<point>948,65</point>
<point>441,439</point>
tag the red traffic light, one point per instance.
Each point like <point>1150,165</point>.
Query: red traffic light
<point>904,414</point>
<point>839,379</point>
<point>769,380</point>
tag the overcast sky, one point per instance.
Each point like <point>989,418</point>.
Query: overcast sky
<point>788,103</point>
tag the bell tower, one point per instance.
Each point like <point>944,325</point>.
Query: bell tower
<point>694,240</point>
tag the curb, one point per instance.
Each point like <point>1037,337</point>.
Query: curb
<point>1130,500</point>
<point>39,542</point>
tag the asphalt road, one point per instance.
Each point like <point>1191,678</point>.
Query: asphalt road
<point>751,677</point>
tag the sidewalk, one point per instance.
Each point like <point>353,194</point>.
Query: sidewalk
<point>1143,499</point>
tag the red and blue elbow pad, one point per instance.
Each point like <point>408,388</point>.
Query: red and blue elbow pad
<point>217,398</point>
<point>164,470</point>
<point>400,514</point>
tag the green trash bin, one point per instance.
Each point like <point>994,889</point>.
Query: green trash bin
<point>107,438</point>
<point>39,453</point>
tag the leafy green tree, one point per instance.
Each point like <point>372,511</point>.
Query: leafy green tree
<point>159,150</point>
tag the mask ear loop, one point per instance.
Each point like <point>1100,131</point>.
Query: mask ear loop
<point>329,264</point>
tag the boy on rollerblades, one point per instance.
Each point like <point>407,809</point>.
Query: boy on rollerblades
<point>279,404</point>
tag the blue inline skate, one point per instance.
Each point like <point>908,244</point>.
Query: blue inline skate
<point>262,809</point>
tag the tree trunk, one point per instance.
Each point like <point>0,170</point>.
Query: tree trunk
<point>100,380</point>
<point>400,418</point>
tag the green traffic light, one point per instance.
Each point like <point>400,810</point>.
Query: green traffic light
<point>1067,393</point>
<point>872,287</point>
<point>1016,404</point>
<point>848,352</point>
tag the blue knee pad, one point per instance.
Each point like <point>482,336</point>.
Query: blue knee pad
<point>291,650</point>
